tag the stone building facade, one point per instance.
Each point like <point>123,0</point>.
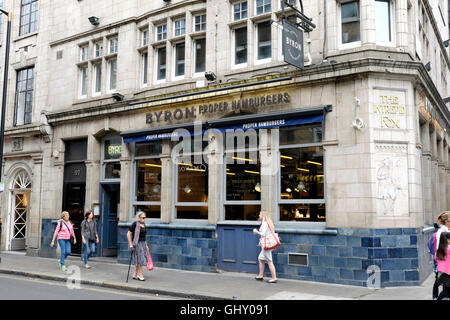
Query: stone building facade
<point>352,155</point>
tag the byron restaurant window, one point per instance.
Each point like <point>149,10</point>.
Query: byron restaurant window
<point>200,55</point>
<point>147,190</point>
<point>24,97</point>
<point>191,176</point>
<point>112,150</point>
<point>242,177</point>
<point>350,22</point>
<point>240,11</point>
<point>240,46</point>
<point>264,39</point>
<point>28,16</point>
<point>383,20</point>
<point>301,183</point>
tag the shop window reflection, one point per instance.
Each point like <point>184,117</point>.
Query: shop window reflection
<point>148,186</point>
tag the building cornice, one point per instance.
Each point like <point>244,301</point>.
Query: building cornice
<point>413,70</point>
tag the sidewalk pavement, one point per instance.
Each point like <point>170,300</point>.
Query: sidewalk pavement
<point>202,285</point>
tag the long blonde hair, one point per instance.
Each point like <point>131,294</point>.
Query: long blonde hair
<point>443,217</point>
<point>267,218</point>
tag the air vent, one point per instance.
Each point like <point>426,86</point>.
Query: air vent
<point>59,55</point>
<point>297,259</point>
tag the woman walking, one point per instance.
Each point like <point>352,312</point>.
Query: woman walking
<point>89,236</point>
<point>138,245</point>
<point>64,230</point>
<point>443,261</point>
<point>444,221</point>
<point>265,255</point>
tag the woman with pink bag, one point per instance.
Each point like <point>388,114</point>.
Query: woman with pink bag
<point>266,230</point>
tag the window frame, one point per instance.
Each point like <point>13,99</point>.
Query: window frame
<point>163,32</point>
<point>96,66</point>
<point>391,18</point>
<point>195,24</point>
<point>235,65</point>
<point>135,203</point>
<point>83,80</point>
<point>113,49</point>
<point>233,12</point>
<point>26,92</point>
<point>348,45</point>
<point>109,79</point>
<point>157,68</point>
<point>174,61</point>
<point>199,73</point>
<point>263,6</point>
<point>22,25</point>
<point>279,201</point>
<point>175,29</point>
<point>98,49</point>
<point>143,73</point>
<point>175,201</point>
<point>258,61</point>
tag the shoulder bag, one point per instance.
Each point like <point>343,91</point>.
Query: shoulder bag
<point>270,241</point>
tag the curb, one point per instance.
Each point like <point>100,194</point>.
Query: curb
<point>117,286</point>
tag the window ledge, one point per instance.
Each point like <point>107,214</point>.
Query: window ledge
<point>25,36</point>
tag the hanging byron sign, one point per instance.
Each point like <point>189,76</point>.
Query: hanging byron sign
<point>218,107</point>
<point>293,45</point>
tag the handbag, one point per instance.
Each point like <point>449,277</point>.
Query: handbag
<point>150,261</point>
<point>270,241</point>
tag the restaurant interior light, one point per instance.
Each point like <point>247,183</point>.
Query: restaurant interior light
<point>258,187</point>
<point>187,189</point>
<point>313,162</point>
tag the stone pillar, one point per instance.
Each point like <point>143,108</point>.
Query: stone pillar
<point>34,219</point>
<point>269,171</point>
<point>426,172</point>
<point>401,24</point>
<point>445,168</point>
<point>368,23</point>
<point>125,183</point>
<point>93,172</point>
<point>441,173</point>
<point>166,183</point>
<point>434,175</point>
<point>215,167</point>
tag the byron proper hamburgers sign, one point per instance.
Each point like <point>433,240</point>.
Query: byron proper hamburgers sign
<point>218,107</point>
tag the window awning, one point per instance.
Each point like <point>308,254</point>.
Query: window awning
<point>245,122</point>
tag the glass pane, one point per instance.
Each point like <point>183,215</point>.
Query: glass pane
<point>148,148</point>
<point>153,212</point>
<point>192,212</point>
<point>241,45</point>
<point>243,177</point>
<point>301,173</point>
<point>179,59</point>
<point>200,55</point>
<point>264,40</point>
<point>113,74</point>
<point>302,212</point>
<point>349,10</point>
<point>161,63</point>
<point>192,181</point>
<point>350,32</point>
<point>113,148</point>
<point>148,180</point>
<point>112,170</point>
<point>144,67</point>
<point>300,135</point>
<point>383,22</point>
<point>242,212</point>
<point>98,77</point>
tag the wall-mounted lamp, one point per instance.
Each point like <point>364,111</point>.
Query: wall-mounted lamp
<point>446,43</point>
<point>118,97</point>
<point>210,76</point>
<point>166,0</point>
<point>94,21</point>
<point>428,66</point>
<point>447,100</point>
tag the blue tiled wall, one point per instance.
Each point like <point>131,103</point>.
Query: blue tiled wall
<point>401,255</point>
<point>175,247</point>
<point>48,228</point>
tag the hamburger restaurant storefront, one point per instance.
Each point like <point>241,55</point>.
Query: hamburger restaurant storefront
<point>203,183</point>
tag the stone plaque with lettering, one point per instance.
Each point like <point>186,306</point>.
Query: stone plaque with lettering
<point>390,108</point>
<point>391,162</point>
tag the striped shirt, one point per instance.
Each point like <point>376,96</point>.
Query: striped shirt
<point>64,230</point>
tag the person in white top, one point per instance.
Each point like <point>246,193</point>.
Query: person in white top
<point>444,221</point>
<point>265,255</point>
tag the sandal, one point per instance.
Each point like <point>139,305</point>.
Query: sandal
<point>259,279</point>
<point>272,281</point>
<point>140,279</point>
